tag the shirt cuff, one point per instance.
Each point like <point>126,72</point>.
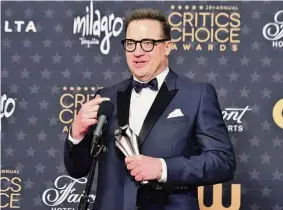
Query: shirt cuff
<point>71,139</point>
<point>163,178</point>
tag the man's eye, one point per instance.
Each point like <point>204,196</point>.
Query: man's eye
<point>130,43</point>
<point>147,43</point>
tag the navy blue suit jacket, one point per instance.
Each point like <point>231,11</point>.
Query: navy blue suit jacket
<point>196,147</point>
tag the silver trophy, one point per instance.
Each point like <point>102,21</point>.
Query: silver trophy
<point>127,142</point>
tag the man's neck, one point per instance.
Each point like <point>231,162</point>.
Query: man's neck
<point>155,75</point>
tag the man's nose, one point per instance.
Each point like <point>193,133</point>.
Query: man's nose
<point>138,51</point>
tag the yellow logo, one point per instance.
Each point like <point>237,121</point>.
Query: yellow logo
<point>10,193</point>
<point>278,113</point>
<point>217,198</point>
<point>205,27</point>
<point>71,101</point>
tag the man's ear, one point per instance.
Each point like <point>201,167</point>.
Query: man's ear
<point>168,47</point>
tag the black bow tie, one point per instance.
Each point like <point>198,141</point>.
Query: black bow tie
<point>152,84</point>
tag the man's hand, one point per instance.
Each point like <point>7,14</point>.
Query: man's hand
<point>144,168</point>
<point>87,116</point>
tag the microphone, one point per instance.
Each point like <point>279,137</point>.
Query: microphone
<point>104,113</point>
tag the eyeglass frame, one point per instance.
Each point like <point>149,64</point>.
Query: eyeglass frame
<point>154,41</point>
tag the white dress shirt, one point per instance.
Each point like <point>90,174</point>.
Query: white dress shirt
<point>139,106</point>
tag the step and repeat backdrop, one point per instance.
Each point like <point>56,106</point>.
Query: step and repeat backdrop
<point>55,55</point>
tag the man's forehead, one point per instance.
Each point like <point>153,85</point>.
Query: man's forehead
<point>144,22</point>
<point>144,27</point>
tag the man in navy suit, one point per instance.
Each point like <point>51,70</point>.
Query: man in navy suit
<point>183,139</point>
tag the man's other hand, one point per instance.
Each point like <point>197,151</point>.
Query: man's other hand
<point>144,168</point>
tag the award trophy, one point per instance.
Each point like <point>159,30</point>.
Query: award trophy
<point>127,142</point>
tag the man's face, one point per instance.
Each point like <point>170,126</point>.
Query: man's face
<point>146,65</point>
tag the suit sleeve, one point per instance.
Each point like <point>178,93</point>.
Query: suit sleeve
<point>77,157</point>
<point>216,162</point>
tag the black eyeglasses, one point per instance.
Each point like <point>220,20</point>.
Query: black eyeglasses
<point>147,45</point>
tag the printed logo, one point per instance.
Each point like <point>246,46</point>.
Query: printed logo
<point>205,27</point>
<point>273,31</point>
<point>19,26</point>
<point>64,191</point>
<point>71,101</point>
<point>278,113</point>
<point>8,106</point>
<point>10,189</point>
<point>217,203</point>
<point>235,115</point>
<point>97,29</point>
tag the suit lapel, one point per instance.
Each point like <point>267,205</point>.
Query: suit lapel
<point>123,104</point>
<point>164,97</point>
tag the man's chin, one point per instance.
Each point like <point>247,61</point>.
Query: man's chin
<point>139,72</point>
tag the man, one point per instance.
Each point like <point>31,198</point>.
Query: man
<point>182,136</point>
